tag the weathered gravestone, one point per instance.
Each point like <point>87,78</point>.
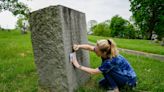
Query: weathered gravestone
<point>162,42</point>
<point>53,31</point>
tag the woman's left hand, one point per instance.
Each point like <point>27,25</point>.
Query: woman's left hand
<point>74,61</point>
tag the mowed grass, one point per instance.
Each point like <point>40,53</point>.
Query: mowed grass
<point>133,44</point>
<point>18,71</point>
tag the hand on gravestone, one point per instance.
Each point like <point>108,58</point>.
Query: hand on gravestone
<point>73,59</point>
<point>75,47</point>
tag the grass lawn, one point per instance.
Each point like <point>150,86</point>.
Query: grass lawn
<point>133,44</point>
<point>18,71</point>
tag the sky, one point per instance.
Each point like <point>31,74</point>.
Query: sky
<point>99,10</point>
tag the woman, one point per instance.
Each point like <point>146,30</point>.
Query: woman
<point>117,71</point>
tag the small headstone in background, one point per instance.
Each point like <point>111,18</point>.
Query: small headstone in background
<point>162,42</point>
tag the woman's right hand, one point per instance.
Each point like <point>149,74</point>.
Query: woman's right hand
<point>76,47</point>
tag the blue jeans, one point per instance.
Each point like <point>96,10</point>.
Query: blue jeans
<point>113,80</point>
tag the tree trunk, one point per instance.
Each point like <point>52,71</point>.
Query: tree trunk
<point>150,35</point>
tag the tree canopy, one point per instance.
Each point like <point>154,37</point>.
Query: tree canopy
<point>14,6</point>
<point>149,16</point>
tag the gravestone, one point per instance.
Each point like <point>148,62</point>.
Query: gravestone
<point>54,30</point>
<point>162,42</point>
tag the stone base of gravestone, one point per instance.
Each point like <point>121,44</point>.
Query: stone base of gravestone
<point>155,41</point>
<point>54,30</point>
<point>162,42</point>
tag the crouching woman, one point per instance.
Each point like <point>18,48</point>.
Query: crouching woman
<point>116,70</point>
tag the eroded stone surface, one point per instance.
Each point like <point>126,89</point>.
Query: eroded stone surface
<point>53,31</point>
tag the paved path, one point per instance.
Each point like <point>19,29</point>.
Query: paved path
<point>140,53</point>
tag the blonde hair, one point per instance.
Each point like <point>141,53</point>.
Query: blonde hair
<point>108,46</point>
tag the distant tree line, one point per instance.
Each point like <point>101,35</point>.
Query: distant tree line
<point>117,27</point>
<point>147,19</point>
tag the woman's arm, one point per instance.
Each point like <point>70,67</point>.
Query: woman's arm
<point>86,69</point>
<point>83,46</point>
<point>90,70</point>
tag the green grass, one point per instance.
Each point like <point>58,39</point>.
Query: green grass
<point>133,44</point>
<point>18,71</point>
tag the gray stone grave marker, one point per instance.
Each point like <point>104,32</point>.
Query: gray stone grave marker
<point>54,29</point>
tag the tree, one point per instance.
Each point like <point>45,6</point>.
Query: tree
<point>101,29</point>
<point>122,28</point>
<point>14,6</point>
<point>160,28</point>
<point>91,24</point>
<point>117,26</point>
<point>22,24</point>
<point>130,32</point>
<point>148,16</point>
<point>138,33</point>
<point>19,23</point>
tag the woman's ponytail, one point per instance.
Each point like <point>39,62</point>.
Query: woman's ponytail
<point>113,48</point>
